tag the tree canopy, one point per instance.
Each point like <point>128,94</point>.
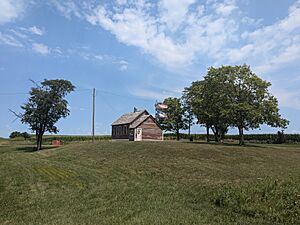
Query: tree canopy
<point>233,96</point>
<point>46,105</point>
<point>175,120</point>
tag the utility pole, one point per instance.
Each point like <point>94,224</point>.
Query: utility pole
<point>93,125</point>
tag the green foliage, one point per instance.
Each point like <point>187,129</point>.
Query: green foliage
<point>16,134</point>
<point>46,105</point>
<point>233,96</point>
<point>251,104</point>
<point>209,103</point>
<point>175,120</point>
<point>188,112</point>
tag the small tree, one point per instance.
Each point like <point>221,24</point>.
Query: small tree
<point>25,135</point>
<point>46,105</point>
<point>174,120</point>
<point>15,134</point>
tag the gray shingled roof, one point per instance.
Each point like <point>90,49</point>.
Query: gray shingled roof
<point>139,121</point>
<point>128,118</point>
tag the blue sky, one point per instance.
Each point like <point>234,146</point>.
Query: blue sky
<point>135,52</point>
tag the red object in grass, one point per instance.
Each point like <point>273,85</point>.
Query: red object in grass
<point>56,143</point>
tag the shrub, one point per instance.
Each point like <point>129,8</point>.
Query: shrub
<point>15,134</point>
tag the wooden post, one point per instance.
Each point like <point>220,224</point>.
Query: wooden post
<point>93,125</point>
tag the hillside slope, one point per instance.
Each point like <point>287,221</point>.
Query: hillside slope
<point>150,183</point>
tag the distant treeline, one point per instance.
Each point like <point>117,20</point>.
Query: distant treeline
<point>261,138</point>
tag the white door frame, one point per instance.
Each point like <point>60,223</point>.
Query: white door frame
<point>138,134</point>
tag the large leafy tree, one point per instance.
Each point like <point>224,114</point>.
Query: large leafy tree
<point>234,96</point>
<point>251,102</point>
<point>46,105</point>
<point>209,103</point>
<point>174,120</point>
<point>194,96</point>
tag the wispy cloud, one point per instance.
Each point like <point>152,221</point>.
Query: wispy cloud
<point>271,47</point>
<point>123,65</point>
<point>225,8</point>
<point>176,34</point>
<point>179,33</point>
<point>149,94</point>
<point>41,48</point>
<point>34,30</point>
<point>18,34</point>
<point>58,51</point>
<point>288,98</point>
<point>9,40</point>
<point>67,8</point>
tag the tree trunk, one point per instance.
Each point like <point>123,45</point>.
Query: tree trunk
<point>177,135</point>
<point>216,134</point>
<point>207,133</point>
<point>217,138</point>
<point>39,142</point>
<point>241,134</point>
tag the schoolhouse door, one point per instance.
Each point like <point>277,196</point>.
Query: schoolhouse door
<point>139,134</point>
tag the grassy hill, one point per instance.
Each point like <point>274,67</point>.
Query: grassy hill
<point>150,183</point>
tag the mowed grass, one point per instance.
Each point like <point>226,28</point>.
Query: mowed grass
<point>150,183</point>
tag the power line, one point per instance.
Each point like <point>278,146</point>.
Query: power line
<point>86,89</point>
<point>16,93</point>
<point>124,96</point>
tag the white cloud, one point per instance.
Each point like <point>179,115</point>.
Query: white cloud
<point>19,34</point>
<point>67,8</point>
<point>271,47</point>
<point>149,94</point>
<point>123,65</point>
<point>99,57</point>
<point>9,40</point>
<point>57,51</point>
<point>174,12</point>
<point>287,98</point>
<point>41,48</point>
<point>178,33</point>
<point>121,2</point>
<point>173,37</point>
<point>226,8</point>
<point>123,62</point>
<point>10,10</point>
<point>289,55</point>
<point>34,30</point>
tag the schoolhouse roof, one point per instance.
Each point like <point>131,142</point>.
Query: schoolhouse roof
<point>131,117</point>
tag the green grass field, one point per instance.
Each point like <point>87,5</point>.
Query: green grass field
<point>150,183</point>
